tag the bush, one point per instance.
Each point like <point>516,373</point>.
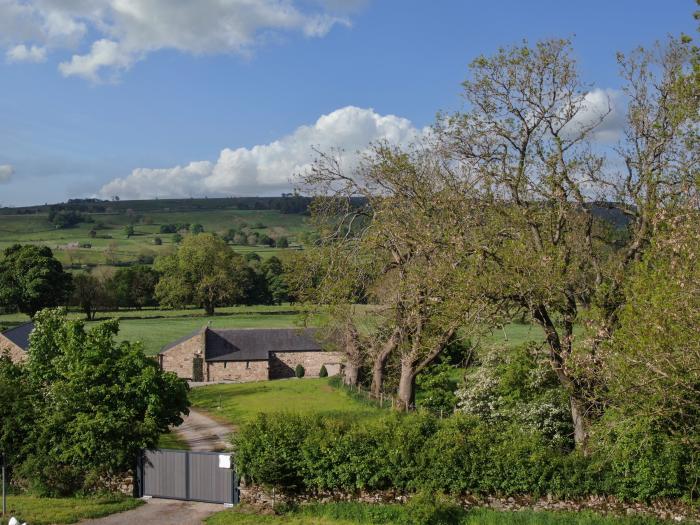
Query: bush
<point>427,508</point>
<point>299,371</point>
<point>323,372</point>
<point>457,455</point>
<point>157,241</point>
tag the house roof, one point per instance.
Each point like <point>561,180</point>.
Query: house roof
<point>19,335</point>
<point>256,344</point>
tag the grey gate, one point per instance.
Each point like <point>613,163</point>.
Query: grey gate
<point>185,475</point>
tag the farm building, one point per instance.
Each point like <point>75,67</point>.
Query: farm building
<point>15,342</point>
<point>247,355</point>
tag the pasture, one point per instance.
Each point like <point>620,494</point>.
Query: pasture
<point>238,403</point>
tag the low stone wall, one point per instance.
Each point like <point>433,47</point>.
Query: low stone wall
<point>236,371</point>
<point>604,505</point>
<point>283,364</point>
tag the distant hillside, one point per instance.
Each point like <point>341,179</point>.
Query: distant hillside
<point>287,203</point>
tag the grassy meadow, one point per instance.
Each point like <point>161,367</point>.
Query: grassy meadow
<point>238,403</point>
<point>111,245</point>
<point>56,511</point>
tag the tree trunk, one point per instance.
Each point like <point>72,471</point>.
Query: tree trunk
<point>353,356</point>
<point>407,385</point>
<point>351,376</point>
<point>580,426</point>
<point>209,308</point>
<point>379,363</point>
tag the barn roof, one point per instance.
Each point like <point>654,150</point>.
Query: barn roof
<point>256,344</point>
<point>19,335</point>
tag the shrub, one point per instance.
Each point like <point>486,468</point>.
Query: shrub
<point>157,241</point>
<point>299,371</point>
<point>323,372</point>
<point>428,508</point>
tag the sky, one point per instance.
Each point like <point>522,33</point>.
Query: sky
<point>180,98</point>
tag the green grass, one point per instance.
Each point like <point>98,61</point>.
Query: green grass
<point>238,403</point>
<point>172,440</point>
<point>47,511</point>
<point>370,514</point>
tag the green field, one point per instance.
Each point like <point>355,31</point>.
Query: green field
<point>238,403</point>
<point>156,328</point>
<point>49,511</point>
<point>366,514</point>
<point>111,246</point>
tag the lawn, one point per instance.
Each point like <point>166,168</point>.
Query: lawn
<point>367,514</point>
<point>48,511</point>
<point>173,441</point>
<point>238,403</point>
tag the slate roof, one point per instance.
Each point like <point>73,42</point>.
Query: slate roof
<point>19,335</point>
<point>256,344</point>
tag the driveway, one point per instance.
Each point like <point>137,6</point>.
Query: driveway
<point>161,512</point>
<point>203,434</point>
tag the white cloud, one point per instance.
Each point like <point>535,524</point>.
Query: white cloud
<point>127,30</point>
<point>22,53</point>
<point>606,104</point>
<point>267,169</point>
<point>6,172</point>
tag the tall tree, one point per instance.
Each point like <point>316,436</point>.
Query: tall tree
<point>31,278</point>
<point>523,144</point>
<point>203,271</point>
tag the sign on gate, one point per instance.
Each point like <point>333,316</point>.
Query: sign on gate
<point>185,475</point>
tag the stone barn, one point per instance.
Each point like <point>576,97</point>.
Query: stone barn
<point>247,355</point>
<point>15,342</point>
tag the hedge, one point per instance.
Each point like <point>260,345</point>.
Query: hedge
<point>458,455</point>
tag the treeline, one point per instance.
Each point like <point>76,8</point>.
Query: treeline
<point>287,203</point>
<point>204,272</point>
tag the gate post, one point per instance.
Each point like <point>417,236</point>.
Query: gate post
<point>138,476</point>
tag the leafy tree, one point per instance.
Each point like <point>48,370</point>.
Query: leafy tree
<point>196,228</point>
<point>437,387</point>
<point>203,271</point>
<point>523,148</point>
<point>134,286</point>
<point>157,241</point>
<point>266,240</point>
<point>177,238</point>
<point>276,281</point>
<point>99,404</point>
<point>17,410</point>
<point>129,230</point>
<point>168,228</point>
<point>282,242</point>
<point>88,293</point>
<point>32,279</point>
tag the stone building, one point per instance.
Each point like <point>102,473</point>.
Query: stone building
<point>15,342</point>
<point>247,355</point>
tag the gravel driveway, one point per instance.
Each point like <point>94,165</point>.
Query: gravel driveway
<point>161,512</point>
<point>203,434</point>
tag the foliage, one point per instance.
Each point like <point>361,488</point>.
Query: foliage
<point>437,387</point>
<point>134,286</point>
<point>299,371</point>
<point>204,271</point>
<point>97,404</point>
<point>458,455</point>
<point>88,293</point>
<point>518,385</point>
<point>32,279</point>
<point>323,372</point>
<point>67,218</point>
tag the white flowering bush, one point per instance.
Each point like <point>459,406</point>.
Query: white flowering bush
<point>517,385</point>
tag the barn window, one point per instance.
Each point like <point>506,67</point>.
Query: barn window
<point>225,363</point>
<point>247,364</point>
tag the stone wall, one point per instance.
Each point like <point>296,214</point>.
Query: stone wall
<point>675,510</point>
<point>179,358</point>
<point>282,364</point>
<point>237,371</point>
<point>17,355</point>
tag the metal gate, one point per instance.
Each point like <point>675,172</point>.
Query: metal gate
<point>185,475</point>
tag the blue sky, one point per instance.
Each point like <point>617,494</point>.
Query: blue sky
<point>217,97</point>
